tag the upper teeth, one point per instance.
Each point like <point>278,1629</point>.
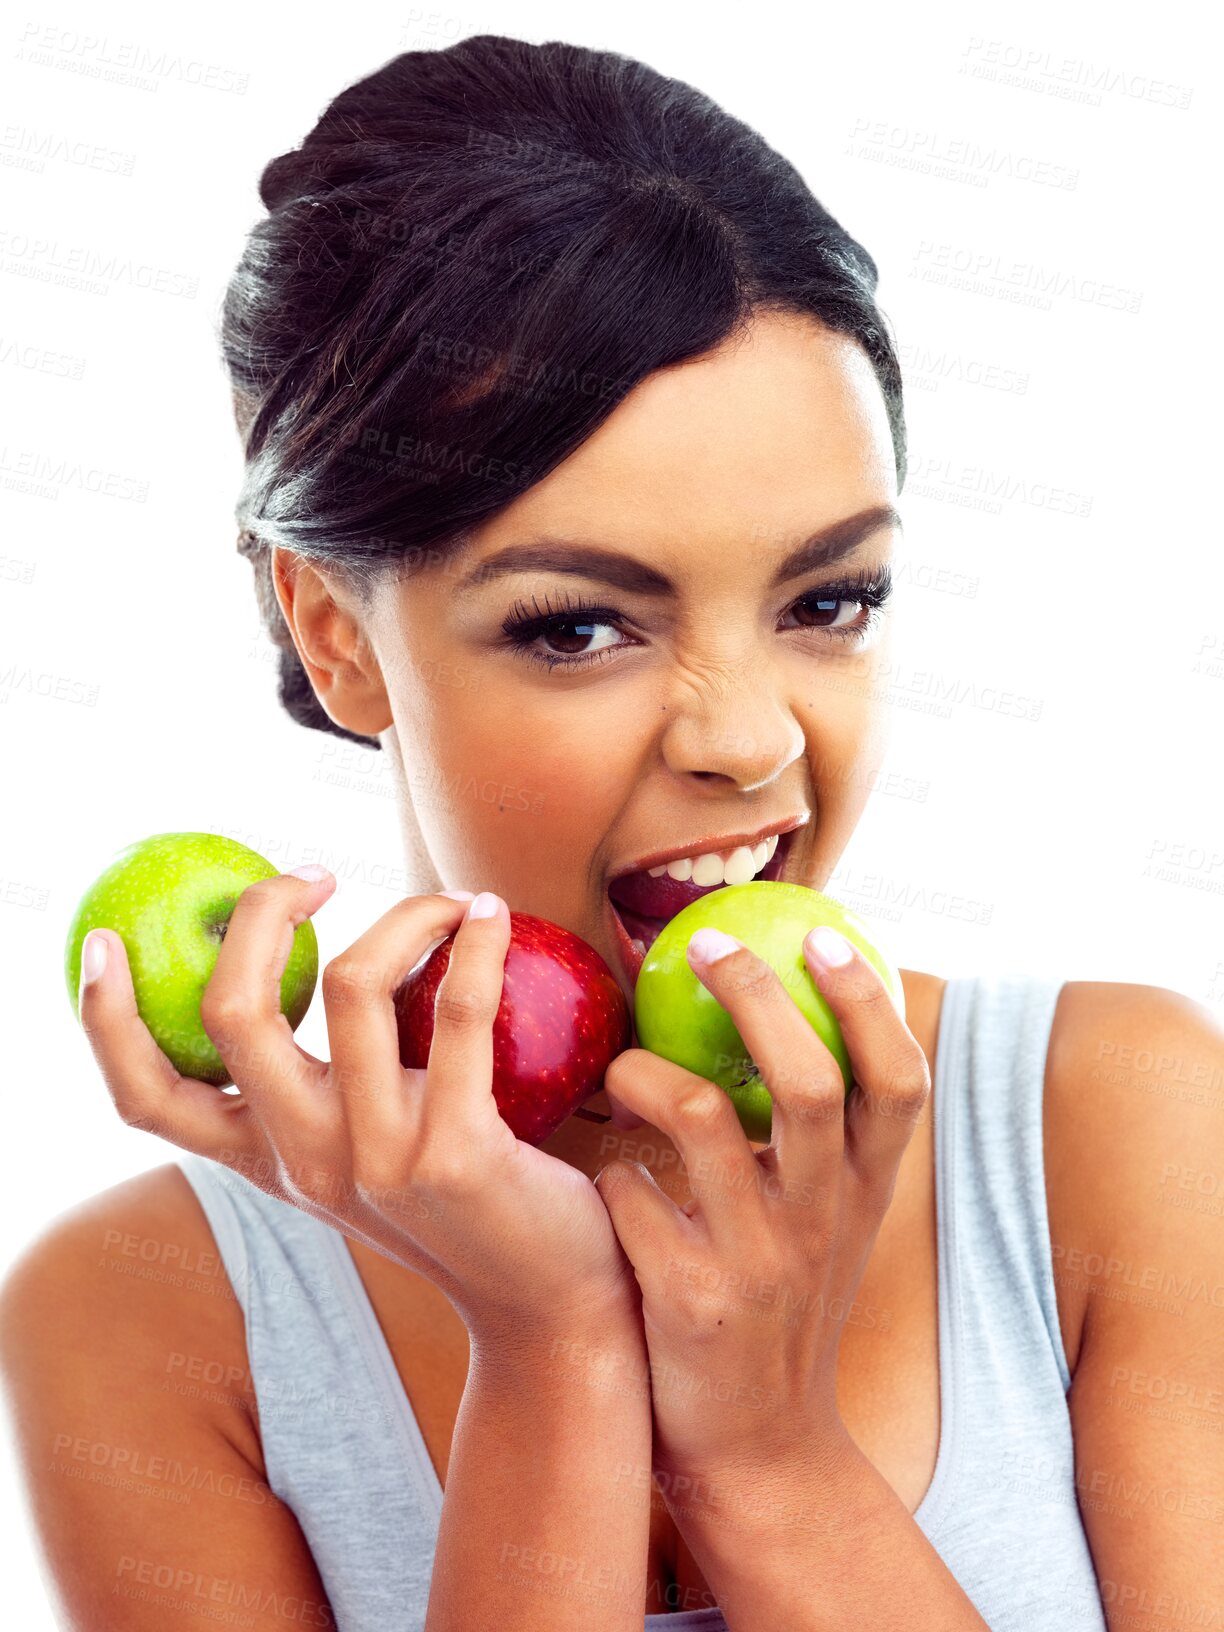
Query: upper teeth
<point>726,867</point>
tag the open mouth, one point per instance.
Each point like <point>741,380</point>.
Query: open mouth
<point>640,905</point>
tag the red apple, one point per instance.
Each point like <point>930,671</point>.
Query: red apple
<point>562,1020</point>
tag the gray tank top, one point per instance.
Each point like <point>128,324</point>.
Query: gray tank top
<point>343,1448</point>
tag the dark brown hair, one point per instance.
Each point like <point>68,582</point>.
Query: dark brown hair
<point>470,260</point>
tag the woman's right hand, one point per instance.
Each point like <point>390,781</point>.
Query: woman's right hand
<point>416,1163</point>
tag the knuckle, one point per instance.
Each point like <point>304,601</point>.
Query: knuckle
<point>815,1101</point>
<point>703,1294</point>
<point>376,1174</point>
<point>142,1122</point>
<point>697,1109</point>
<point>818,1243</point>
<point>462,1007</point>
<point>252,898</point>
<point>313,1182</point>
<point>689,1287</point>
<point>223,1011</point>
<point>874,1000</point>
<point>905,1081</point>
<point>347,982</point>
<point>757,981</point>
<point>136,1113</point>
<point>313,1125</point>
<point>316,1173</point>
<point>442,1168</point>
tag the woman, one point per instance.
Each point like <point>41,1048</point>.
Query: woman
<point>574,439</point>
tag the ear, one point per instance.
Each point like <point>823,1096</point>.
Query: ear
<point>325,623</point>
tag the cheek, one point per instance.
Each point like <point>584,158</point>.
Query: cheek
<point>510,790</point>
<point>847,742</point>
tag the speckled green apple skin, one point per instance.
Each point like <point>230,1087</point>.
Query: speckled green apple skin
<point>168,898</point>
<point>675,1016</point>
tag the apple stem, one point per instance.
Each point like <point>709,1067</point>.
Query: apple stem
<point>591,1116</point>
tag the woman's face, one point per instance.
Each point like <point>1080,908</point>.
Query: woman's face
<point>707,701</point>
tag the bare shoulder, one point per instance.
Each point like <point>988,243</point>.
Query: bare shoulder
<point>1134,1142</point>
<point>123,1363</point>
<point>128,1285</point>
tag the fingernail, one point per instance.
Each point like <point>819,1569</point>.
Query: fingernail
<point>708,945</point>
<point>828,947</point>
<point>484,905</point>
<point>311,871</point>
<point>93,957</point>
<point>458,895</point>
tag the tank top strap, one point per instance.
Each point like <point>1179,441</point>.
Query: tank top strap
<point>340,1443</point>
<point>272,1251</point>
<point>1002,1507</point>
<point>993,1162</point>
<point>313,1341</point>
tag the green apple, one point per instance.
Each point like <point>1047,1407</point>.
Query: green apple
<point>169,899</point>
<point>677,1017</point>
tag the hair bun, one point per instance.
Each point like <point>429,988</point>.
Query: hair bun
<point>469,261</point>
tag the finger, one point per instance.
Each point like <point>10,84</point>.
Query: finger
<point>891,1073</point>
<point>241,1005</point>
<point>721,1167</point>
<point>146,1089</point>
<point>803,1078</point>
<point>622,1116</point>
<point>460,1069</point>
<point>653,1232</point>
<point>359,990</point>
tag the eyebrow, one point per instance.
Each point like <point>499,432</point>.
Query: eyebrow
<point>574,556</point>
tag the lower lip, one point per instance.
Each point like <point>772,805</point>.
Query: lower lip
<point>631,960</point>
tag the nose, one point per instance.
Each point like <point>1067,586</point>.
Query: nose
<point>733,729</point>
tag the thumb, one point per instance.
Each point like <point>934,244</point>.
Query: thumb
<point>644,1218</point>
<point>622,1116</point>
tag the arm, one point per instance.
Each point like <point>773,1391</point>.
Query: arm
<point>418,1163</point>
<point>1141,1076</point>
<point>849,1555</point>
<point>152,1510</point>
<point>789,1522</point>
<point>538,1528</point>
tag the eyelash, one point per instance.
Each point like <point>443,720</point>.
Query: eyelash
<point>522,627</point>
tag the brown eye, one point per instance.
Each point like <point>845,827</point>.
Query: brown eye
<point>821,612</point>
<point>848,610</point>
<point>570,640</point>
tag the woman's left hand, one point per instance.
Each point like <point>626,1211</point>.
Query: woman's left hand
<point>744,1292</point>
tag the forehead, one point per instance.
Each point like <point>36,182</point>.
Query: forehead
<point>778,432</point>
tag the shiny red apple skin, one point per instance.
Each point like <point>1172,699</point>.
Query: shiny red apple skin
<point>562,1020</point>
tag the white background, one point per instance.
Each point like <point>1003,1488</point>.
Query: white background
<point>1061,547</point>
